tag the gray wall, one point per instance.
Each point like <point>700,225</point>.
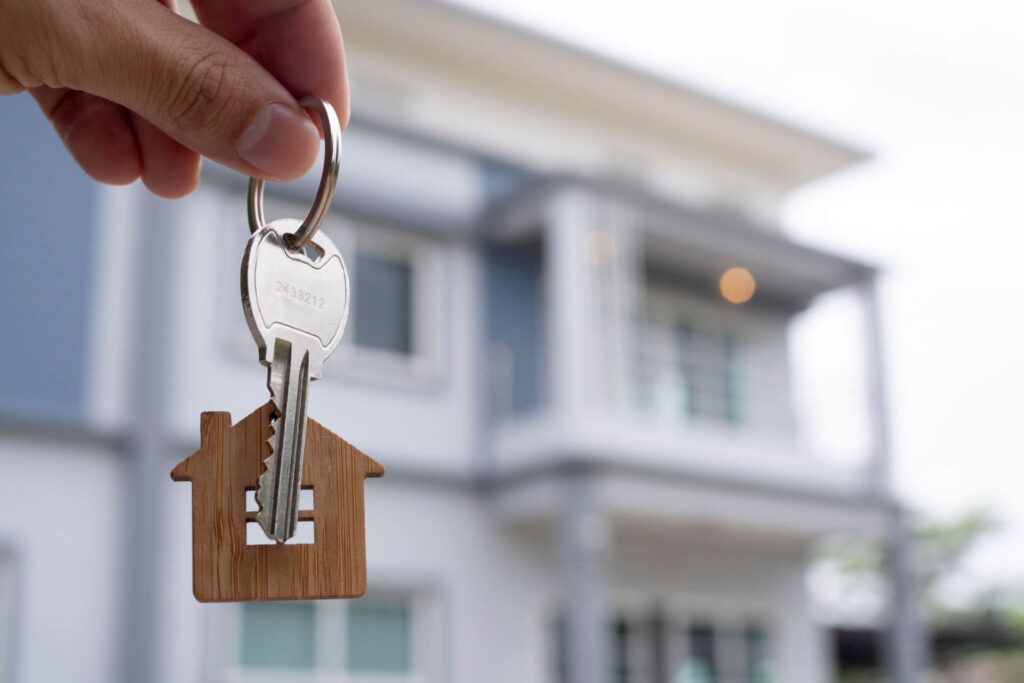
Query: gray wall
<point>47,226</point>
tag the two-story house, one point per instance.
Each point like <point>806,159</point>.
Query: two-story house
<point>594,464</point>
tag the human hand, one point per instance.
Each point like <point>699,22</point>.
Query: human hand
<point>135,90</point>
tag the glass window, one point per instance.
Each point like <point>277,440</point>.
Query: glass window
<point>688,367</point>
<point>383,308</point>
<point>379,637</point>
<point>277,635</point>
<point>660,649</point>
<point>702,667</point>
<point>707,365</point>
<point>756,651</point>
<point>366,636</point>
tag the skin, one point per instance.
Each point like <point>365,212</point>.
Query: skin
<point>135,90</point>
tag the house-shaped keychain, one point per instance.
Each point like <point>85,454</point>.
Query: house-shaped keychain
<point>227,466</point>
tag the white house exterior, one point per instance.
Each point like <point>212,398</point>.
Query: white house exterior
<point>593,465</point>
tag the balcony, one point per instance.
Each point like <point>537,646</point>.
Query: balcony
<point>612,347</point>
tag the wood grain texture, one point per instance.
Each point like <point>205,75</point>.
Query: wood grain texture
<point>227,464</point>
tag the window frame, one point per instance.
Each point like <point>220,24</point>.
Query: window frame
<point>423,363</point>
<point>330,645</point>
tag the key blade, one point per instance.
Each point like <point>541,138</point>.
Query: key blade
<point>278,487</point>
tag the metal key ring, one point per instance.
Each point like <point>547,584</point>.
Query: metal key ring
<point>328,179</point>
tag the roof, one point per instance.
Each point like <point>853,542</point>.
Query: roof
<point>491,48</point>
<point>701,242</point>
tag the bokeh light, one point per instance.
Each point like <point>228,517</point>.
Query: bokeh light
<point>737,285</point>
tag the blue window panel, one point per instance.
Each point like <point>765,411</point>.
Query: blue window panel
<point>48,210</point>
<point>379,637</point>
<point>383,303</point>
<point>515,318</point>
<point>278,635</point>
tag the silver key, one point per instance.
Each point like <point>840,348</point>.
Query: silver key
<point>296,308</point>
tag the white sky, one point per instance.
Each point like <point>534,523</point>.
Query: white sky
<point>936,90</point>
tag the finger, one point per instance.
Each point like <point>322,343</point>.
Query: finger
<point>298,41</point>
<point>193,85</point>
<point>169,169</point>
<point>96,132</point>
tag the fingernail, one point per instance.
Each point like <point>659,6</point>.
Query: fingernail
<point>280,142</point>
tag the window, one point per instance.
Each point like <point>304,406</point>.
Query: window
<point>722,651</point>
<point>394,324</point>
<point>278,635</point>
<point>690,362</point>
<point>382,308</point>
<point>379,637</point>
<point>700,666</point>
<point>662,648</point>
<point>331,640</point>
<point>707,369</point>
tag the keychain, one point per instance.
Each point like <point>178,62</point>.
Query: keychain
<point>295,294</point>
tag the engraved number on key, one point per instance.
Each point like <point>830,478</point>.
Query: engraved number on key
<point>296,307</point>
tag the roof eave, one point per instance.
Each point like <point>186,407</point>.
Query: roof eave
<point>681,113</point>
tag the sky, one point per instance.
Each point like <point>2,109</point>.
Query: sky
<point>935,90</point>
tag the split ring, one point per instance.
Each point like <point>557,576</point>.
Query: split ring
<point>328,179</point>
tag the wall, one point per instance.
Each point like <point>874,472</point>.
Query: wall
<point>62,519</point>
<point>45,264</point>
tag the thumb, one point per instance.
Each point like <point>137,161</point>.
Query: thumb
<point>195,86</point>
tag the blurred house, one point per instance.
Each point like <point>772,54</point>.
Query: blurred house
<point>595,469</point>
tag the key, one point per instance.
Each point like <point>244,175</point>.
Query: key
<point>296,306</point>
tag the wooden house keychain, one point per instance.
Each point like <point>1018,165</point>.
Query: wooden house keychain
<point>295,293</point>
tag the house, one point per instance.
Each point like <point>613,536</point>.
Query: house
<point>227,565</point>
<point>598,467</point>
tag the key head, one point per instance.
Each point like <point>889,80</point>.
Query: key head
<point>288,295</point>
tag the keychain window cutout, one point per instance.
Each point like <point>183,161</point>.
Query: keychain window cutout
<point>305,534</point>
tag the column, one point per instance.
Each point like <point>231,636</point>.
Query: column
<point>567,220</point>
<point>905,642</point>
<point>879,469</point>
<point>585,536</point>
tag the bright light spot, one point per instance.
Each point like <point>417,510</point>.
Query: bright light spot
<point>737,285</point>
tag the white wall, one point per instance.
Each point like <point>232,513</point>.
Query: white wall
<point>61,512</point>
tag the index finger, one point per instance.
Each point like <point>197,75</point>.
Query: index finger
<point>298,41</point>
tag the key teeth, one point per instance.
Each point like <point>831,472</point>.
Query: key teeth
<point>265,481</point>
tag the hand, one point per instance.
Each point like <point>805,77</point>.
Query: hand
<point>135,90</point>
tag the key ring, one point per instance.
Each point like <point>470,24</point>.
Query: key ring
<point>328,179</point>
